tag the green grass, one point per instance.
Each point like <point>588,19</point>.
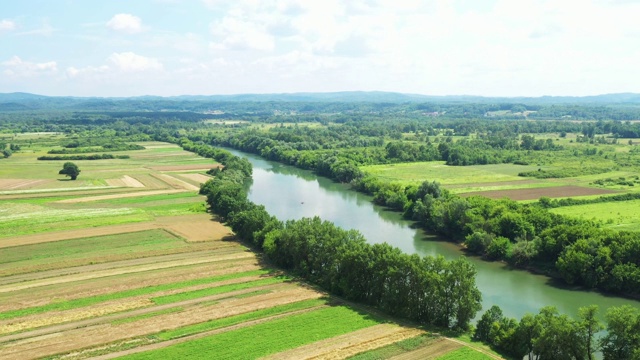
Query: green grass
<point>150,198</point>
<point>148,315</point>
<point>87,250</point>
<point>398,348</point>
<point>77,221</point>
<point>82,302</point>
<point>267,338</point>
<point>237,319</point>
<point>411,173</point>
<point>619,215</point>
<point>189,295</point>
<point>464,353</point>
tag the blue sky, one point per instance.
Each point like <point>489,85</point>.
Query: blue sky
<point>436,47</point>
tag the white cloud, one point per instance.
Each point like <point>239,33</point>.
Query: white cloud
<point>234,33</point>
<point>16,67</point>
<point>89,71</point>
<point>125,23</point>
<point>130,62</point>
<point>7,25</point>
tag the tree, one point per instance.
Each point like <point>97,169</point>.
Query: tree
<point>622,340</point>
<point>70,169</point>
<point>589,327</point>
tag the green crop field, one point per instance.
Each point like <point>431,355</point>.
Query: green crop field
<point>268,338</point>
<point>619,215</point>
<point>464,353</point>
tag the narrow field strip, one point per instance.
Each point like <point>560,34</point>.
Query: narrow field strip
<point>176,256</point>
<point>76,303</point>
<point>40,333</point>
<point>102,334</point>
<point>119,196</point>
<point>432,351</point>
<point>169,299</point>
<point>462,353</point>
<point>75,234</point>
<point>97,287</point>
<point>269,337</point>
<point>151,198</point>
<point>112,306</point>
<point>175,182</point>
<point>343,346</point>
<point>121,271</point>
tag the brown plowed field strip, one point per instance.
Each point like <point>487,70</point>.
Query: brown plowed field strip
<point>107,333</point>
<point>432,351</point>
<point>341,347</point>
<point>536,193</point>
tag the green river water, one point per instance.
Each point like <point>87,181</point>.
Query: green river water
<point>291,193</point>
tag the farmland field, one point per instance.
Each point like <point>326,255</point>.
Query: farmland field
<point>622,215</point>
<point>125,262</point>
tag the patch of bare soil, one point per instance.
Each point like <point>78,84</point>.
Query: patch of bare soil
<point>344,346</point>
<point>431,351</point>
<point>203,167</point>
<point>532,194</point>
<point>107,333</point>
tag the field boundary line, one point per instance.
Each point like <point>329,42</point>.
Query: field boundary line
<point>137,193</point>
<point>118,271</point>
<point>112,317</point>
<point>12,279</point>
<point>168,343</point>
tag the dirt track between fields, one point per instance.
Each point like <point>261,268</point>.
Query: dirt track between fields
<point>121,196</point>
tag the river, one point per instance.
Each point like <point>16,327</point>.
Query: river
<point>291,193</point>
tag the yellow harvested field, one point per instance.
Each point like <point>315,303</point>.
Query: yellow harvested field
<point>200,178</point>
<point>344,346</point>
<point>125,181</point>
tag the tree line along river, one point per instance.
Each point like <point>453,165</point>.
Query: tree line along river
<point>291,193</point>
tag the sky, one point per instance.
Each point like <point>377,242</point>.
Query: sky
<point>209,47</point>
